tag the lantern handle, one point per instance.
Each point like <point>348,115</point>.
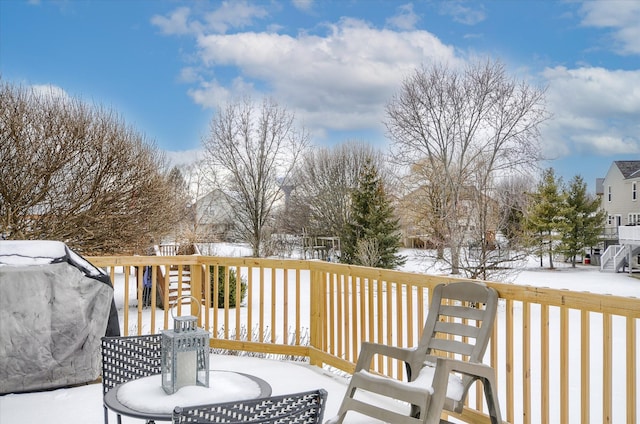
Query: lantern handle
<point>177,302</point>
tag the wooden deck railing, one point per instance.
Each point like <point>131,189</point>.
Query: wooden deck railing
<point>560,356</point>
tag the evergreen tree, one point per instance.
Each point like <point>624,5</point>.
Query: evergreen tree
<point>372,236</point>
<point>583,221</point>
<point>544,216</point>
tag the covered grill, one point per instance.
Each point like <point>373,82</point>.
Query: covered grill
<point>54,308</point>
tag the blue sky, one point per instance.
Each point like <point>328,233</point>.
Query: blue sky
<point>165,65</point>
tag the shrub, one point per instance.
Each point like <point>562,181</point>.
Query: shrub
<point>232,286</point>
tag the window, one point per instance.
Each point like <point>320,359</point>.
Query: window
<point>610,220</point>
<point>634,191</point>
<point>609,193</point>
<point>634,218</point>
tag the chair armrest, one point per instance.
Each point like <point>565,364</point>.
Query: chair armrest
<point>479,371</point>
<point>473,369</point>
<point>368,350</point>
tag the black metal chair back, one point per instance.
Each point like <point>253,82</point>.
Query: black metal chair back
<point>297,408</point>
<point>128,358</point>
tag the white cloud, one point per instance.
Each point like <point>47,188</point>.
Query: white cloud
<point>230,15</point>
<point>189,74</point>
<point>304,5</point>
<point>212,94</point>
<point>622,17</point>
<point>463,14</point>
<point>340,80</point>
<point>49,92</point>
<point>234,14</point>
<point>594,110</point>
<point>183,157</point>
<point>406,19</point>
<point>176,23</point>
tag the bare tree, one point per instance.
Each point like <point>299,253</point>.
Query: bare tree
<point>251,148</point>
<point>324,183</point>
<point>78,174</point>
<point>422,207</point>
<point>513,197</point>
<point>181,180</point>
<point>203,215</point>
<point>469,127</point>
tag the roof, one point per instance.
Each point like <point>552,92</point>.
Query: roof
<point>629,168</point>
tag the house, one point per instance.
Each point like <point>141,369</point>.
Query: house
<point>420,211</point>
<point>211,218</point>
<point>619,191</point>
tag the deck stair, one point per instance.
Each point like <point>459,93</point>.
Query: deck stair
<point>179,277</point>
<point>615,257</point>
<point>179,286</point>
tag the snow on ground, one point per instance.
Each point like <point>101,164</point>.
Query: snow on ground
<point>583,278</point>
<point>84,404</point>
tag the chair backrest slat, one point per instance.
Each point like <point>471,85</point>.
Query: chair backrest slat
<point>465,312</point>
<point>457,329</point>
<point>451,346</point>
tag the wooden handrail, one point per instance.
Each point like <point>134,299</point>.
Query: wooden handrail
<point>554,351</point>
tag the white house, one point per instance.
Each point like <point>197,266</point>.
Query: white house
<point>212,218</point>
<point>619,191</point>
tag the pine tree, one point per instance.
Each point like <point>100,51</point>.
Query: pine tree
<point>544,216</point>
<point>583,221</point>
<point>372,236</point>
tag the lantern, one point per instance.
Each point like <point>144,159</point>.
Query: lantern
<point>185,353</point>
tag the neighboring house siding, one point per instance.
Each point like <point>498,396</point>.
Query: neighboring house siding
<point>621,194</point>
<point>213,218</point>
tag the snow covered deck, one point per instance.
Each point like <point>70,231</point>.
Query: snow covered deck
<point>83,404</point>
<point>560,354</point>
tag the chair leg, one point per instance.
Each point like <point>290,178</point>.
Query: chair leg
<point>340,415</point>
<point>491,396</point>
<point>106,415</point>
<point>349,394</point>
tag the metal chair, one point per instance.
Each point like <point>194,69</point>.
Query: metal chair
<point>128,358</point>
<point>297,408</point>
<point>440,370</point>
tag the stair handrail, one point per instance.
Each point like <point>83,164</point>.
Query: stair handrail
<point>609,255</point>
<point>166,249</point>
<point>620,257</point>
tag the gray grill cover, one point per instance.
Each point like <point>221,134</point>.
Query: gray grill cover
<point>52,316</point>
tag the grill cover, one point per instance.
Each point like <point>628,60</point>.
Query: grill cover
<point>54,308</point>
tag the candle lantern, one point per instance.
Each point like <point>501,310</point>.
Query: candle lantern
<point>185,353</point>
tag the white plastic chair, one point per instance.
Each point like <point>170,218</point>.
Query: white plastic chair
<point>440,370</point>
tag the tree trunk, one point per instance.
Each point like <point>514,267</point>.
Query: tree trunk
<point>455,260</point>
